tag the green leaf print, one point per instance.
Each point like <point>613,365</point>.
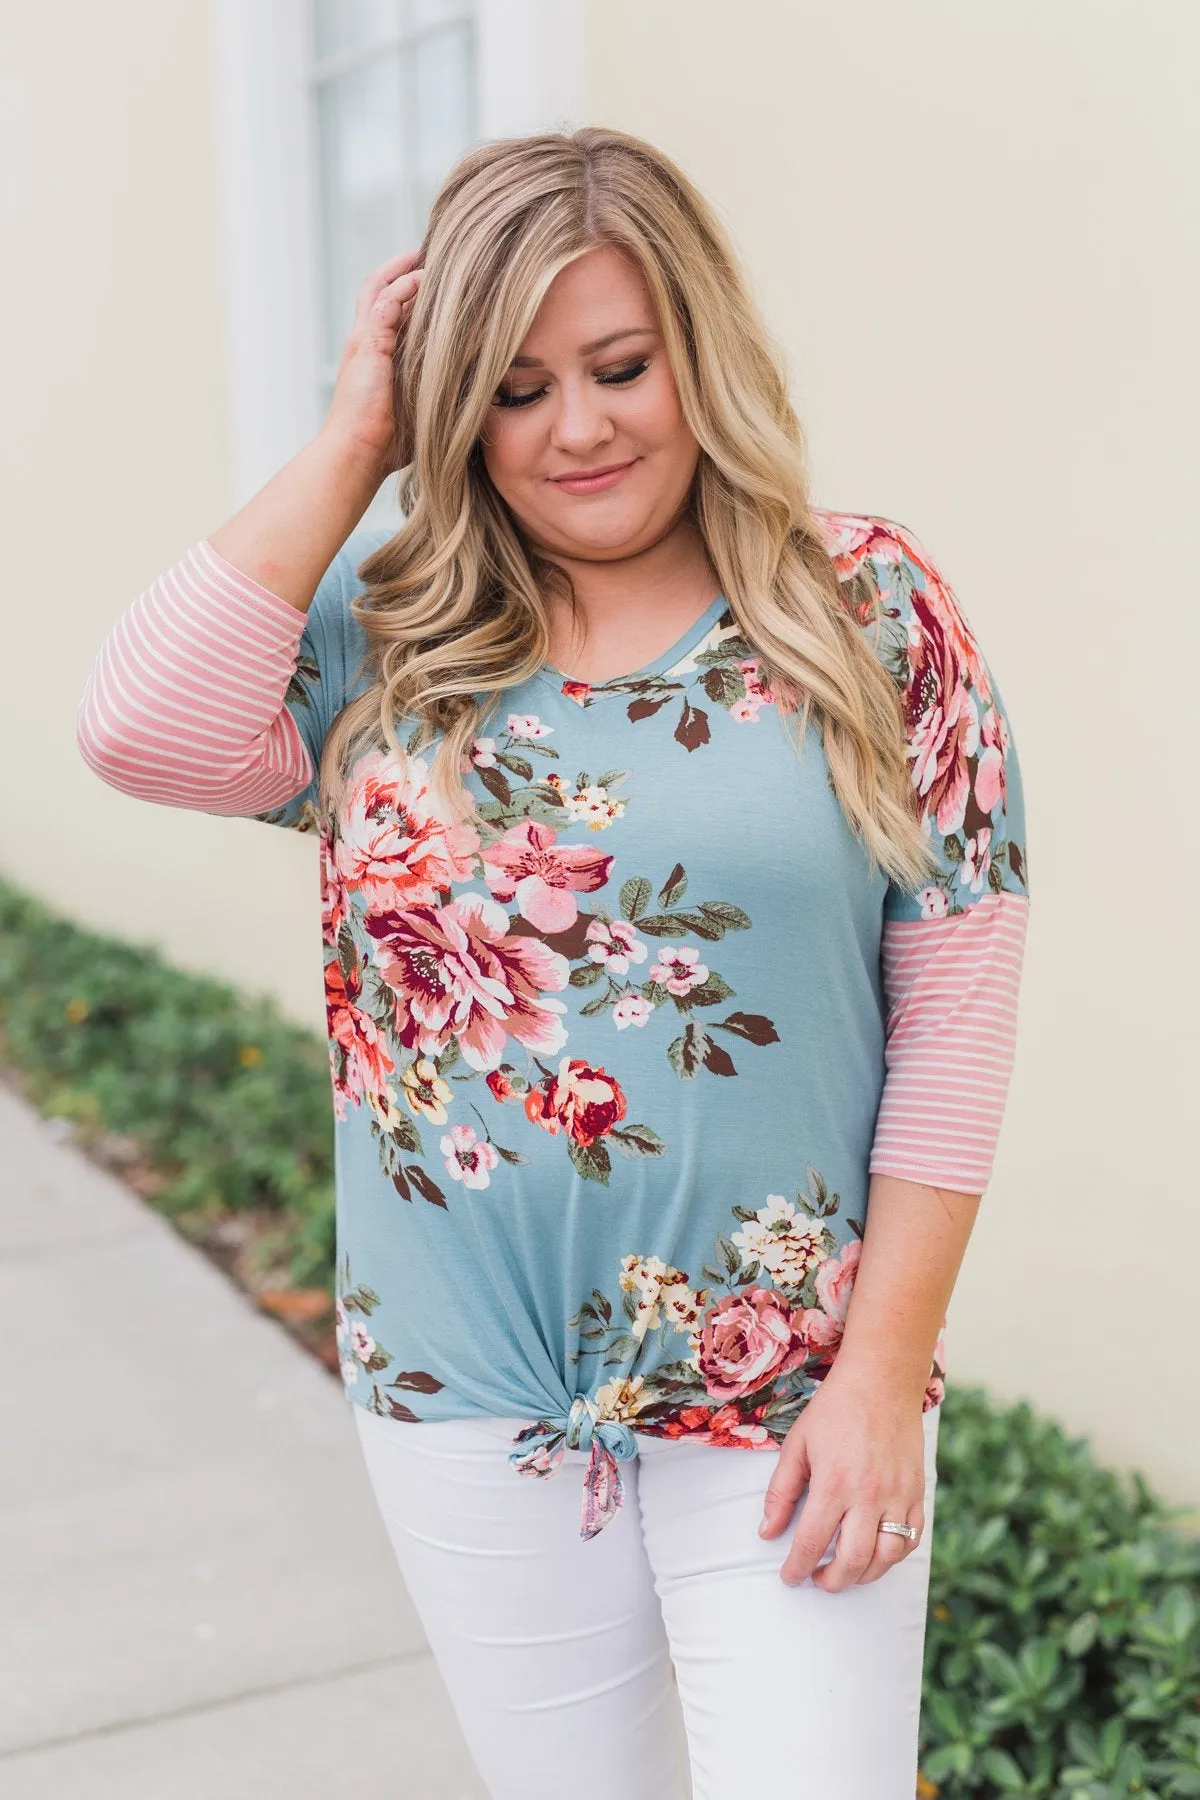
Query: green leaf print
<point>591,1161</point>
<point>673,888</point>
<point>710,992</point>
<point>637,1140</point>
<point>622,1349</point>
<point>634,894</point>
<point>496,784</point>
<point>686,1053</point>
<point>516,765</point>
<point>729,917</point>
<point>586,974</point>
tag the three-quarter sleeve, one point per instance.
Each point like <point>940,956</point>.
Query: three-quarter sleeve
<point>211,692</point>
<point>952,952</point>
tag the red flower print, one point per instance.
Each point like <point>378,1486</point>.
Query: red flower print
<point>581,1100</point>
<point>748,1339</point>
<point>393,848</point>
<point>528,864</point>
<point>458,974</point>
<point>500,1082</point>
<point>577,691</point>
<point>367,1060</point>
<point>721,1425</point>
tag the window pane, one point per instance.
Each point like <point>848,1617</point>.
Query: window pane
<point>365,206</point>
<point>347,24</point>
<point>445,121</point>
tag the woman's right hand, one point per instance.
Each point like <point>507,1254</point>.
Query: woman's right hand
<point>362,410</point>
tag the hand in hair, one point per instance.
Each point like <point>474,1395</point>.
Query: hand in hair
<point>362,410</point>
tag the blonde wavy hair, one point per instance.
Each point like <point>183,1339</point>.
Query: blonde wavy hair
<point>454,609</point>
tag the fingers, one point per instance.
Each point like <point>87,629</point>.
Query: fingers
<point>863,1552</point>
<point>820,1516</point>
<point>788,1481</point>
<point>861,1548</point>
<point>890,1547</point>
<point>397,274</point>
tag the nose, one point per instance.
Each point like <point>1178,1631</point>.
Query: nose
<point>580,421</point>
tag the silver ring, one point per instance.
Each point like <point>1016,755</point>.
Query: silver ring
<point>908,1531</point>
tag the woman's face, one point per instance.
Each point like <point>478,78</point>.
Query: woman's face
<point>590,390</point>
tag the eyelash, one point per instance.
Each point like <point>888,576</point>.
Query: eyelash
<point>616,378</point>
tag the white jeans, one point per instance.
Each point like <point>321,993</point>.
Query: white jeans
<point>557,1651</point>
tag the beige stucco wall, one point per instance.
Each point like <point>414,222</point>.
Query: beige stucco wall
<point>975,229</point>
<point>971,228</point>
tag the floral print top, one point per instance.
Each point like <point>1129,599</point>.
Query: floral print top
<point>610,1089</point>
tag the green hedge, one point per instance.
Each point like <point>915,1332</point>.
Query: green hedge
<point>1063,1643</point>
<point>231,1102</point>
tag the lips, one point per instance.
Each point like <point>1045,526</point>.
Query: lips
<point>591,480</point>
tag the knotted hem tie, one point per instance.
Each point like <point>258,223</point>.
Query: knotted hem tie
<point>611,1442</point>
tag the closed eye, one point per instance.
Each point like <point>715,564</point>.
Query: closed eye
<point>621,377</point>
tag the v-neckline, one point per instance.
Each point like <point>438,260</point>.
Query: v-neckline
<point>687,642</point>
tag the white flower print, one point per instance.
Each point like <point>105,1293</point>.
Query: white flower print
<point>677,968</point>
<point>786,1243</point>
<point>615,944</point>
<point>469,1158</point>
<point>483,752</point>
<point>631,1009</point>
<point>349,1370</point>
<point>527,725</point>
<point>977,860</point>
<point>663,1294</point>
<point>364,1343</point>
<point>934,904</point>
<point>592,806</point>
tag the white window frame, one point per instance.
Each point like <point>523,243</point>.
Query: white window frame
<point>529,64</point>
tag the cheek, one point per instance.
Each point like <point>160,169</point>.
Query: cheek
<point>508,450</point>
<point>661,420</point>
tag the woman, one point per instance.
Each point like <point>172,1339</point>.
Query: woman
<point>673,900</point>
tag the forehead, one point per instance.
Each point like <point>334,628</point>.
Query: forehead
<point>600,293</point>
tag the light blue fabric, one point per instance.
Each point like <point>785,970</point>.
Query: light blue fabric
<point>740,1159</point>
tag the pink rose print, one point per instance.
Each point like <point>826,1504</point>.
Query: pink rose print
<point>678,968</point>
<point>934,904</point>
<point>456,973</point>
<point>527,725</point>
<point>393,849</point>
<point>834,1280</point>
<point>483,752</point>
<point>469,1158</point>
<point>748,1339</point>
<point>991,784</point>
<point>942,721</point>
<point>528,864</point>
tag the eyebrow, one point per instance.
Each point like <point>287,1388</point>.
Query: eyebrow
<point>531,362</point>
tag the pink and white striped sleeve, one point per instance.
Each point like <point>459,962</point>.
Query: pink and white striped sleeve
<point>951,987</point>
<point>951,952</point>
<point>190,699</point>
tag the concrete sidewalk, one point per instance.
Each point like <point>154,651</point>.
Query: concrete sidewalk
<point>197,1596</point>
